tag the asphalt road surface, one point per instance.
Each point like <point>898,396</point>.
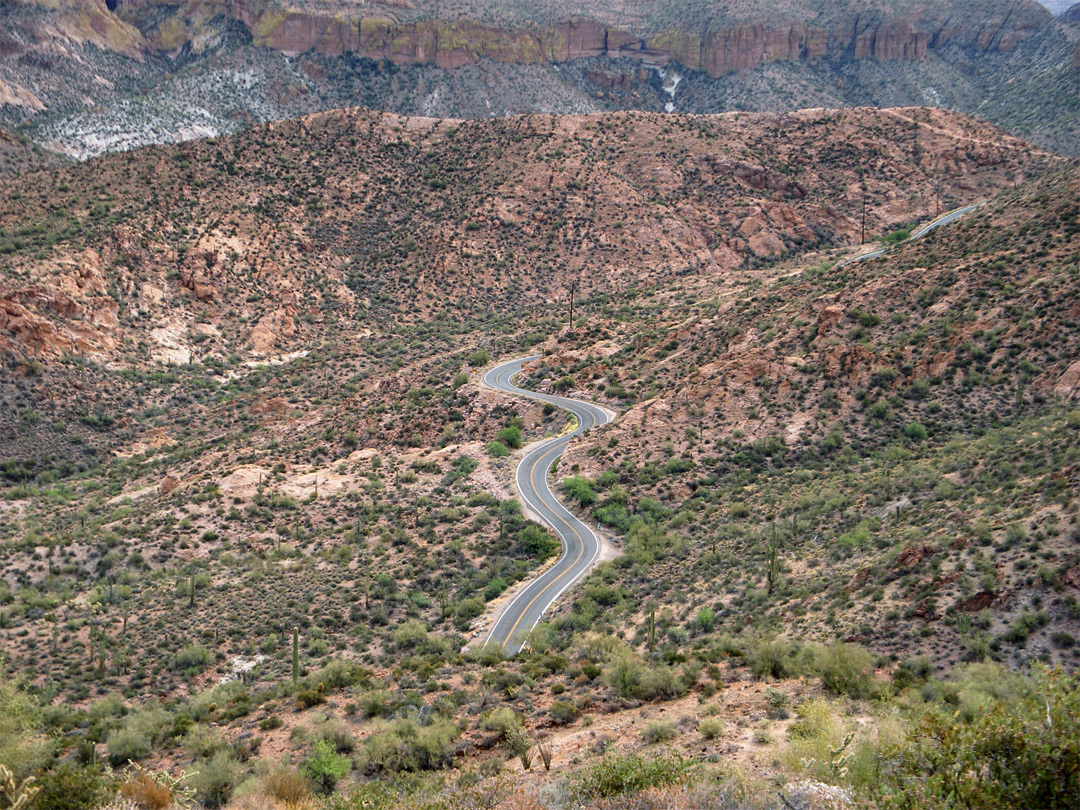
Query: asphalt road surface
<point>580,546</point>
<point>919,233</point>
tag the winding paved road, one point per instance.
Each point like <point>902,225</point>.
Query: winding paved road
<point>580,546</point>
<point>918,233</point>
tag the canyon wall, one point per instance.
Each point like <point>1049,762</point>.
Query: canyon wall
<point>451,43</point>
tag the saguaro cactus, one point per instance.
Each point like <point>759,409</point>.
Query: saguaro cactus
<point>295,656</point>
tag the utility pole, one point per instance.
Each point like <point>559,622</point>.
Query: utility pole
<point>573,286</point>
<point>862,239</point>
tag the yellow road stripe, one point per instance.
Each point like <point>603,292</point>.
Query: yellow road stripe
<point>581,551</point>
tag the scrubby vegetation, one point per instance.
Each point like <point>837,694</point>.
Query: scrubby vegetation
<point>839,497</point>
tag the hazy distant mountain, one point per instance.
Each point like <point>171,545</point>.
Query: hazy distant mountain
<point>1056,7</point>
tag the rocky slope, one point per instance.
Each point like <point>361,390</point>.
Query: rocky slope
<point>163,70</point>
<point>398,218</point>
<point>238,402</point>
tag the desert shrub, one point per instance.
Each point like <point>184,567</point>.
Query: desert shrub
<point>145,792</point>
<point>497,449</point>
<point>410,634</point>
<point>915,432</point>
<point>563,712</point>
<point>830,747</point>
<point>127,744</point>
<point>192,659</point>
<point>339,673</point>
<point>711,727</point>
<point>845,669</point>
<point>1024,625</point>
<point>314,696</point>
<point>510,436</point>
<point>215,778</point>
<point>286,784</point>
<point>69,786</point>
<point>615,775</point>
<point>579,489</point>
<point>494,588</point>
<point>537,541</point>
<point>467,610</point>
<point>376,703</point>
<point>661,683</point>
<point>203,741</point>
<point>911,671</point>
<point>772,657</point>
<point>501,720</point>
<point>325,766</point>
<point>23,746</point>
<point>520,744</point>
<point>1023,752</point>
<point>335,732</point>
<point>624,676</point>
<point>406,745</point>
<point>659,731</point>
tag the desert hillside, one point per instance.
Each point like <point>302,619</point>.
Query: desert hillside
<point>257,511</point>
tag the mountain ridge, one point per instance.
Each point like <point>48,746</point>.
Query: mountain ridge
<point>82,79</point>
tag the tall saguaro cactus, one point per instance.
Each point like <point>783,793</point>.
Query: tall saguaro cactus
<point>295,656</point>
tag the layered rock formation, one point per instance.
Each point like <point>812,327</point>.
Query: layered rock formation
<point>452,43</point>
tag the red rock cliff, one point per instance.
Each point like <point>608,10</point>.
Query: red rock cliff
<point>453,43</point>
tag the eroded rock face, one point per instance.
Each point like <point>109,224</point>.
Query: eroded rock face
<point>451,42</point>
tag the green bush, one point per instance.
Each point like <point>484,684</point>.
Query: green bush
<point>216,778</point>
<point>772,657</point>
<point>406,745</point>
<point>579,489</point>
<point>563,712</point>
<point>69,786</point>
<point>126,744</point>
<point>711,727</point>
<point>497,450</point>
<point>501,720</point>
<point>192,660</point>
<point>616,775</point>
<point>467,610</point>
<point>536,541</point>
<point>659,731</point>
<point>325,766</point>
<point>915,432</point>
<point>481,357</point>
<point>510,436</point>
<point>845,669</point>
<point>1023,751</point>
<point>23,746</point>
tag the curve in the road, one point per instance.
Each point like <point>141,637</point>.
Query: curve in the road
<point>580,545</point>
<point>919,233</point>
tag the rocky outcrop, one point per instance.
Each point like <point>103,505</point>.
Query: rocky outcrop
<point>454,43</point>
